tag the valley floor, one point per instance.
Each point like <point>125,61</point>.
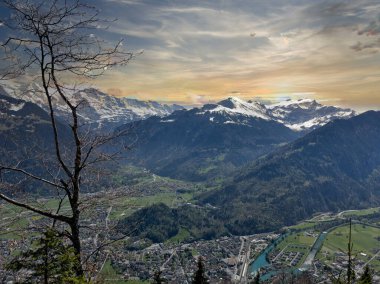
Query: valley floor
<point>317,245</point>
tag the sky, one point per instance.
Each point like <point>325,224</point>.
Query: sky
<point>196,51</point>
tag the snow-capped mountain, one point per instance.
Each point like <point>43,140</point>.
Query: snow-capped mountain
<point>24,126</point>
<point>207,142</point>
<point>235,106</point>
<point>306,114</point>
<point>100,109</point>
<point>298,115</point>
<point>96,108</point>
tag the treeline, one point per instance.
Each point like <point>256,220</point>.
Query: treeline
<point>159,223</point>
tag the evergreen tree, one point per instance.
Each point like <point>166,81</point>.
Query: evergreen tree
<point>48,260</point>
<point>366,277</point>
<point>199,275</point>
<point>350,271</point>
<point>256,280</point>
<point>157,277</point>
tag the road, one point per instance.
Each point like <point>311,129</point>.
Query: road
<point>108,217</point>
<point>372,258</point>
<point>171,256</point>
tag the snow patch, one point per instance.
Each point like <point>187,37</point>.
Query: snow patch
<point>17,107</point>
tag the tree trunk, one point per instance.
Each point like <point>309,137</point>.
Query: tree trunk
<point>75,238</point>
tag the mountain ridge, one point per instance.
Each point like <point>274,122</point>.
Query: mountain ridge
<point>95,107</point>
<point>298,115</point>
<point>197,144</point>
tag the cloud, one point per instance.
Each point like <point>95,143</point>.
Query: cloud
<point>116,92</point>
<point>197,51</point>
<point>197,99</point>
<point>372,46</point>
<point>372,29</point>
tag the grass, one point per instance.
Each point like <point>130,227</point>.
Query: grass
<point>15,219</point>
<point>303,226</point>
<point>125,206</point>
<point>9,211</point>
<point>108,273</point>
<point>182,235</point>
<point>203,171</point>
<point>110,276</point>
<point>362,212</point>
<point>297,239</point>
<point>364,239</point>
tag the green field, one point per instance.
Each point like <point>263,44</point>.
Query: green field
<point>298,239</point>
<point>362,212</point>
<point>142,189</point>
<point>182,235</point>
<point>125,206</point>
<point>365,240</point>
<point>110,276</point>
<point>303,226</point>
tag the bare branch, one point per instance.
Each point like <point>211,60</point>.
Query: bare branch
<point>36,210</point>
<point>51,39</point>
<point>31,176</point>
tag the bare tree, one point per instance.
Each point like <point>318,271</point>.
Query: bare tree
<point>53,39</point>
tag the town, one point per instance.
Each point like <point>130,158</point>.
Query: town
<point>314,247</point>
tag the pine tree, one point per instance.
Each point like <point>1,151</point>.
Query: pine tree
<point>256,280</point>
<point>157,277</point>
<point>49,260</point>
<point>349,278</point>
<point>199,275</point>
<point>366,277</point>
<point>350,271</point>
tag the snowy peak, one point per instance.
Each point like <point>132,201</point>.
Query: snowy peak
<point>306,114</point>
<point>236,106</point>
<point>96,108</point>
<point>109,108</point>
<point>300,103</point>
<point>298,115</point>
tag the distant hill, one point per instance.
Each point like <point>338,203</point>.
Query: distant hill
<point>333,168</point>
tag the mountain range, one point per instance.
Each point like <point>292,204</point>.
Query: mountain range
<point>200,144</point>
<point>214,140</point>
<point>273,164</point>
<point>195,144</point>
<point>96,108</point>
<point>99,109</point>
<point>335,167</point>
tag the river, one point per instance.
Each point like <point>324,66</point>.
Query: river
<point>261,261</point>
